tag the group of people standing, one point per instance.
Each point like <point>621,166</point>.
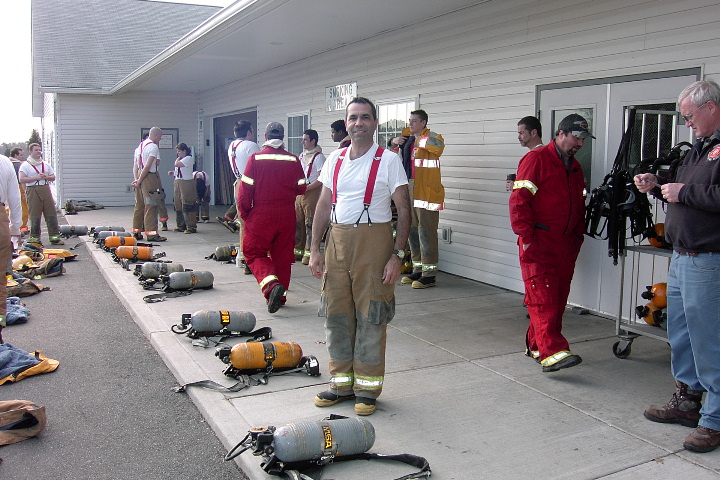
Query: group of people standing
<point>288,206</point>
<point>191,190</point>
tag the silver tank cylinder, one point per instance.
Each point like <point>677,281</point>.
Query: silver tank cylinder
<point>111,233</point>
<point>105,228</point>
<point>73,230</point>
<point>225,252</point>
<point>189,280</point>
<point>155,269</point>
<point>312,440</point>
<point>215,321</point>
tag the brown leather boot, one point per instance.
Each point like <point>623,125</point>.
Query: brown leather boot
<point>702,440</point>
<point>683,407</point>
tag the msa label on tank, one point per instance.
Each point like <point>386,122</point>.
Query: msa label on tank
<point>328,436</point>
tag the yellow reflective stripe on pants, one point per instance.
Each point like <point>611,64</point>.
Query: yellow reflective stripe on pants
<point>369,383</point>
<point>268,279</point>
<point>342,379</point>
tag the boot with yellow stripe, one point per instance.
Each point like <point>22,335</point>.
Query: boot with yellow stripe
<point>560,360</point>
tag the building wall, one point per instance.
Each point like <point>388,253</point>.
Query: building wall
<point>475,72</point>
<point>97,136</point>
<point>49,138</point>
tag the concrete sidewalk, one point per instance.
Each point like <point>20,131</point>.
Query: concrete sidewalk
<point>458,389</point>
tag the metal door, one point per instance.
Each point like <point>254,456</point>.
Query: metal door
<point>596,280</point>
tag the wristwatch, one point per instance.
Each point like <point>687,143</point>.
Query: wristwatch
<point>399,253</point>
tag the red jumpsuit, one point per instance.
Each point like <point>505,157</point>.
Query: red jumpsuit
<point>273,178</point>
<point>547,212</point>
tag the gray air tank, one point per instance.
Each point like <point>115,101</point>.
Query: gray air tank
<point>97,230</point>
<point>156,269</point>
<point>70,230</point>
<point>188,280</point>
<point>215,321</point>
<point>111,233</point>
<point>312,440</point>
<point>224,253</point>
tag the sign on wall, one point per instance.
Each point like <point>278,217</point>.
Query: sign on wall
<point>337,97</point>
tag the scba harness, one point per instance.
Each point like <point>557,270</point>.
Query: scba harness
<point>618,200</point>
<point>298,450</point>
<point>224,323</point>
<point>252,363</point>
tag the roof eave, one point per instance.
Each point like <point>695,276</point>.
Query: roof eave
<point>214,28</point>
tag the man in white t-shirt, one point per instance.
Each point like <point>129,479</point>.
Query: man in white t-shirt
<point>10,221</point>
<point>312,160</point>
<point>36,175</point>
<point>148,182</point>
<point>362,260</point>
<point>238,153</point>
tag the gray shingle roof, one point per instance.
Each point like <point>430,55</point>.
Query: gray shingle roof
<point>96,43</point>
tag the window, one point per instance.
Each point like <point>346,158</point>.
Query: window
<point>654,133</point>
<point>297,123</point>
<point>393,117</point>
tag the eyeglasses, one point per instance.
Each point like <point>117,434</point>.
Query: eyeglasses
<point>689,116</point>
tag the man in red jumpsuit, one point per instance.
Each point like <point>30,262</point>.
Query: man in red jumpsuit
<point>547,212</point>
<point>273,178</point>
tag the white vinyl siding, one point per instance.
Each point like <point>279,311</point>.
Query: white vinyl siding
<point>98,135</point>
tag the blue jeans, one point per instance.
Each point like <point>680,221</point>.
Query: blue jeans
<point>693,294</point>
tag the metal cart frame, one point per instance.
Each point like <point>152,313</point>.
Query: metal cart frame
<point>629,330</point>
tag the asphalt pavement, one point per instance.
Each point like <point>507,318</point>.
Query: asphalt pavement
<point>111,410</point>
<point>458,390</point>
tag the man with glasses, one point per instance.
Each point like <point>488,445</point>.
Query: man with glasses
<point>692,225</point>
<point>547,212</point>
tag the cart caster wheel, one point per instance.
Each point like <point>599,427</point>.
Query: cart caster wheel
<point>622,352</point>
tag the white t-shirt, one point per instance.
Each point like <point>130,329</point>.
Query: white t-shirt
<point>186,170</point>
<point>352,182</point>
<point>243,150</point>
<point>316,166</point>
<point>151,150</point>
<point>10,194</point>
<point>33,171</point>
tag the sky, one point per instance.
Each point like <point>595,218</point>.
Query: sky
<point>16,120</point>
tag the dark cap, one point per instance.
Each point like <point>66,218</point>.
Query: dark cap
<point>274,130</point>
<point>576,125</point>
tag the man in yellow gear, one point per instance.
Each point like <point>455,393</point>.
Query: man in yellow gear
<point>421,150</point>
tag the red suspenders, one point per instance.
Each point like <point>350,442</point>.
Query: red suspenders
<point>42,166</point>
<point>369,188</point>
<point>233,146</point>
<point>143,144</point>
<point>310,165</point>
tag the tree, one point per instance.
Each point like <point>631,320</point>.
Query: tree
<point>35,138</point>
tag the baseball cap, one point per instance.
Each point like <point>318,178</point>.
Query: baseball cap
<point>576,125</point>
<point>275,130</point>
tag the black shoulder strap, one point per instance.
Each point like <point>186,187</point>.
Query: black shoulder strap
<point>308,473</point>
